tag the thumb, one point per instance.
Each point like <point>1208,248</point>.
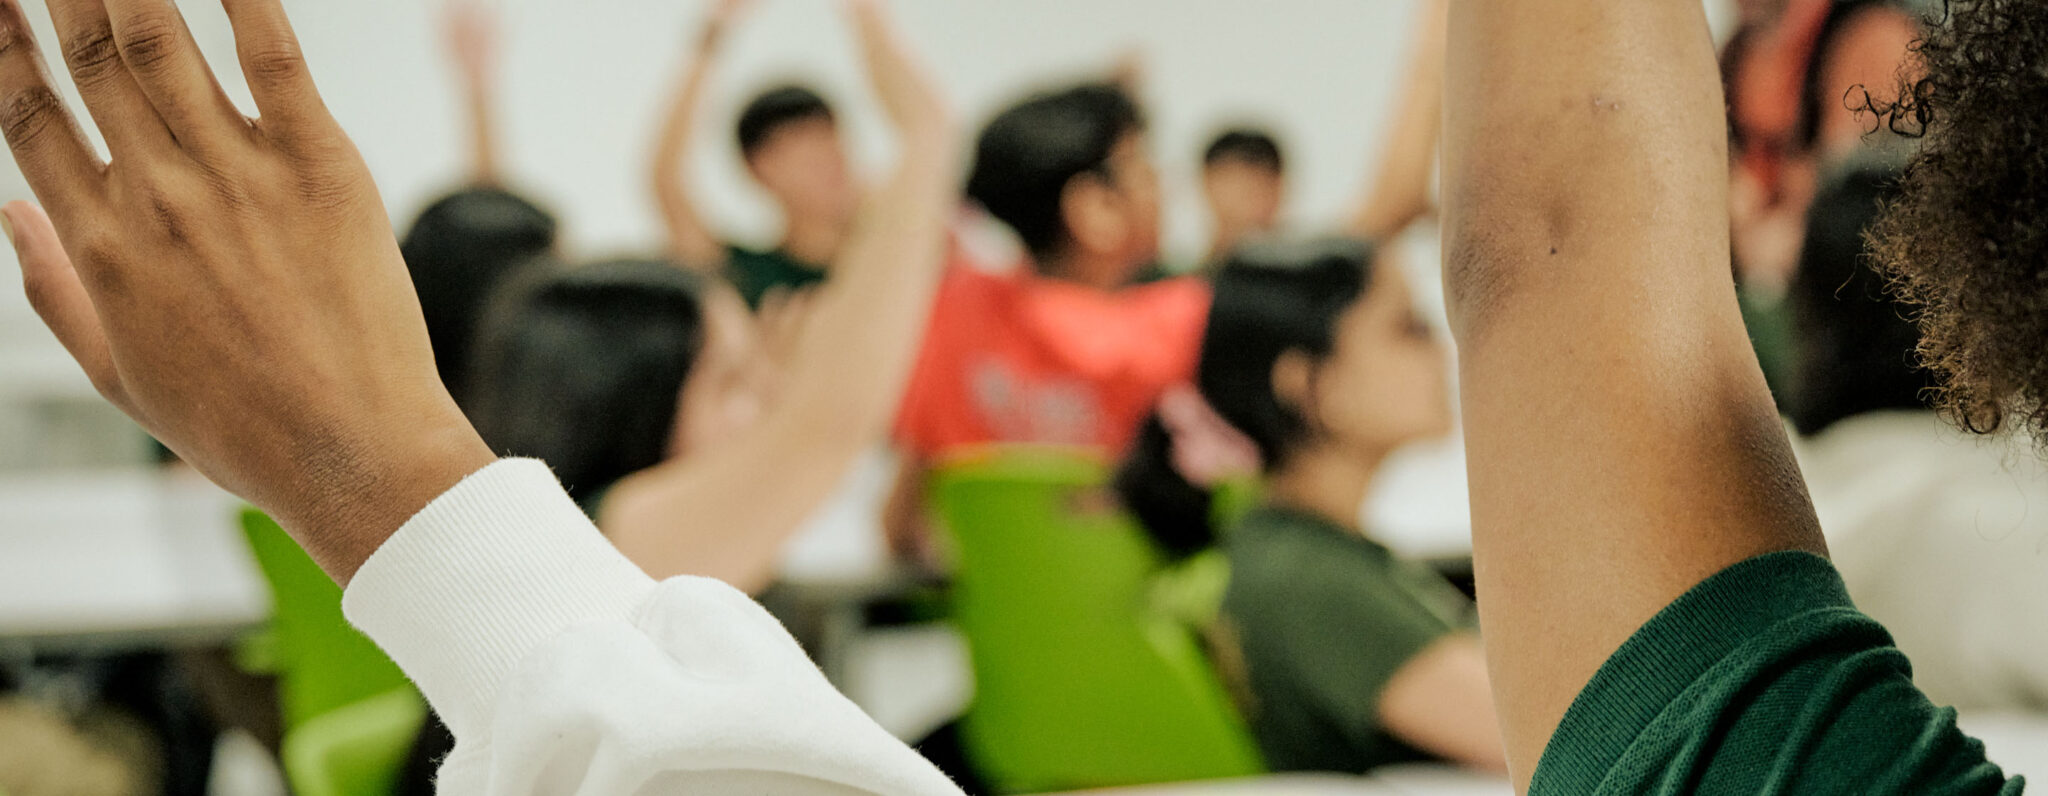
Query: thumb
<point>58,297</point>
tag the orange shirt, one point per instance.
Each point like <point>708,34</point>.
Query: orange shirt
<point>1020,358</point>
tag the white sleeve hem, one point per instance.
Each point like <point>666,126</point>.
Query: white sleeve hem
<point>485,573</point>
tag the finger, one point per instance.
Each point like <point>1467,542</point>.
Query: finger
<point>276,69</point>
<point>125,117</point>
<point>60,166</point>
<point>165,62</point>
<point>58,296</point>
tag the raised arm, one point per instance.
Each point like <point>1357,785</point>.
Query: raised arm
<point>846,373</point>
<point>689,238</point>
<point>1620,441</point>
<point>1399,191</point>
<point>472,34</point>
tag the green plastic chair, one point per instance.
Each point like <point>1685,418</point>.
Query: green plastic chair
<point>1080,682</point>
<point>322,663</point>
<point>355,750</point>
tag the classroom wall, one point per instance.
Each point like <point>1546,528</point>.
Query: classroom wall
<point>582,83</point>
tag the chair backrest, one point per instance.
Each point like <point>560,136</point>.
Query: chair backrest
<point>1079,683</point>
<point>355,750</point>
<point>323,663</point>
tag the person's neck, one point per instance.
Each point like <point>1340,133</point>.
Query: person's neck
<point>814,241</point>
<point>1328,481</point>
<point>1096,271</point>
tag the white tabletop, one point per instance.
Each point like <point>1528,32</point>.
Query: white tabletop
<point>123,558</point>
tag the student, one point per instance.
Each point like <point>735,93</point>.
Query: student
<point>1937,536</point>
<point>1244,180</point>
<point>1065,350</point>
<point>1660,615</point>
<point>564,667</point>
<point>1352,658</point>
<point>465,244</point>
<point>789,138</point>
<point>1244,173</point>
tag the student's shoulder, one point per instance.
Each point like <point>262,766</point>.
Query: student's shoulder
<point>1765,661</point>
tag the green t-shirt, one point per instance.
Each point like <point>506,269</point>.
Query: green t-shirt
<point>755,273</point>
<point>1763,679</point>
<point>1322,618</point>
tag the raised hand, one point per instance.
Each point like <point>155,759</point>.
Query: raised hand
<point>230,283</point>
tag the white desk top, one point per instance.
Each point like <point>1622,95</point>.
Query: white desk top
<point>123,558</point>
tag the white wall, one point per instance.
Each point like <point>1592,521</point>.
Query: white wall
<point>584,79</point>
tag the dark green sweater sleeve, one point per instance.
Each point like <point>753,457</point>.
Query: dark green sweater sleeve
<point>1763,679</point>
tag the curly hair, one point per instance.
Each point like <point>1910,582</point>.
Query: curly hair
<point>1967,239</point>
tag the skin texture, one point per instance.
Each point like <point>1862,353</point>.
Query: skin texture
<point>752,471</point>
<point>1621,444</point>
<point>296,370</point>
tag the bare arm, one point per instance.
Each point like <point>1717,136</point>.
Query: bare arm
<point>1621,444</point>
<point>847,372</point>
<point>472,41</point>
<point>1399,191</point>
<point>690,240</point>
<point>1439,702</point>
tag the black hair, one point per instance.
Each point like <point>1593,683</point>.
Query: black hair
<point>458,252</point>
<point>1853,338</point>
<point>773,109</point>
<point>1245,145</point>
<point>582,367</point>
<point>1270,298</point>
<point>1029,153</point>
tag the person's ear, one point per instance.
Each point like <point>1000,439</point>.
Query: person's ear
<point>1294,381</point>
<point>1094,217</point>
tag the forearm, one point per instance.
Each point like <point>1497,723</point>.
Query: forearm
<point>689,238</point>
<point>483,131</point>
<point>1619,435</point>
<point>1399,191</point>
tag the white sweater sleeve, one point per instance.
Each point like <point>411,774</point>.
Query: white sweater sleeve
<point>561,668</point>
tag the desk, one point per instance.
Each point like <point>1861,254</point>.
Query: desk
<point>120,560</point>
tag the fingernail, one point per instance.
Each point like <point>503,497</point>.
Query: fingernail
<point>7,226</point>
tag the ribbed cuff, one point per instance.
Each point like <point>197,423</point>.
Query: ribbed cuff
<point>489,570</point>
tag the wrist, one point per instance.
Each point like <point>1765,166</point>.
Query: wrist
<point>353,496</point>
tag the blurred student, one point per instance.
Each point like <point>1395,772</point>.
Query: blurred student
<point>1244,171</point>
<point>1350,656</point>
<point>1065,350</point>
<point>790,140</point>
<point>1244,181</point>
<point>1936,535</point>
<point>467,243</point>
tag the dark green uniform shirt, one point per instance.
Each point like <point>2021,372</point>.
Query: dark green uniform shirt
<point>1322,618</point>
<point>1763,679</point>
<point>755,273</point>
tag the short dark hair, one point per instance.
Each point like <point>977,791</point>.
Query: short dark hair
<point>458,251</point>
<point>1271,298</point>
<point>1245,145</point>
<point>581,367</point>
<point>1853,340</point>
<point>1028,154</point>
<point>775,108</point>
